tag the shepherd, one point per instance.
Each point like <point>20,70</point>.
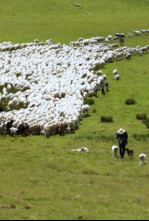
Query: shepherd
<point>121,40</point>
<point>122,137</point>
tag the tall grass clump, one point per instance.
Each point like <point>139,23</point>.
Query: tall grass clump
<point>146,122</point>
<point>141,116</point>
<point>94,111</point>
<point>130,101</point>
<point>106,119</point>
<point>89,101</point>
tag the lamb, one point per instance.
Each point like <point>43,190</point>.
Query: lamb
<point>117,77</point>
<point>13,131</point>
<point>142,158</point>
<point>115,71</point>
<point>115,151</point>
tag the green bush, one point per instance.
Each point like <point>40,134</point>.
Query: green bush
<point>106,119</point>
<point>94,111</point>
<point>146,122</point>
<point>130,101</point>
<point>89,101</point>
<point>141,116</point>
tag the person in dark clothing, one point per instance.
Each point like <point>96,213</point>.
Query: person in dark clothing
<point>8,126</point>
<point>122,137</point>
<point>107,86</point>
<point>102,90</point>
<point>121,40</point>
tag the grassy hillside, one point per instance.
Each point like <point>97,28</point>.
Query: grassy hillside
<point>26,20</point>
<point>41,177</point>
<point>55,183</point>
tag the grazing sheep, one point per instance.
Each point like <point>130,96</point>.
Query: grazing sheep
<point>77,5</point>
<point>115,150</point>
<point>13,131</point>
<point>142,158</point>
<point>128,56</point>
<point>115,71</point>
<point>117,77</point>
<point>50,81</point>
<point>137,33</point>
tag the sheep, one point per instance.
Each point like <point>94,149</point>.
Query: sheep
<point>117,77</point>
<point>137,33</point>
<point>99,73</point>
<point>77,5</point>
<point>129,34</point>
<point>85,110</point>
<point>128,56</point>
<point>13,131</point>
<point>34,129</point>
<point>115,71</point>
<point>142,158</point>
<point>53,78</point>
<point>115,150</point>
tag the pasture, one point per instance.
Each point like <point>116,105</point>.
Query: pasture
<point>41,178</point>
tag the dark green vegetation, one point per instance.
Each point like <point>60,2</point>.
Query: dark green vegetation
<point>41,177</point>
<point>106,119</point>
<point>141,116</point>
<point>89,101</point>
<point>130,101</point>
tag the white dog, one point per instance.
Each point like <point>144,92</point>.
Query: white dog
<point>115,150</point>
<point>142,158</point>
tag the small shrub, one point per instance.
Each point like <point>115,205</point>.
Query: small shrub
<point>89,101</point>
<point>94,111</point>
<point>106,119</point>
<point>130,101</point>
<point>146,122</point>
<point>141,137</point>
<point>141,116</point>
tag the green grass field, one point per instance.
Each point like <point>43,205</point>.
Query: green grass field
<point>26,20</point>
<point>43,175</point>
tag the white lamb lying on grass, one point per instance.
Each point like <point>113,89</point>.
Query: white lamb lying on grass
<point>142,158</point>
<point>115,151</point>
<point>83,149</point>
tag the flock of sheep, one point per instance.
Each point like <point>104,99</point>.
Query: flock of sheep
<point>44,85</point>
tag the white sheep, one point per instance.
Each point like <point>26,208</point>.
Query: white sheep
<point>53,78</point>
<point>13,131</point>
<point>117,77</point>
<point>115,71</point>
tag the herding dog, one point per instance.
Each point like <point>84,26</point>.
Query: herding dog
<point>115,150</point>
<point>129,152</point>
